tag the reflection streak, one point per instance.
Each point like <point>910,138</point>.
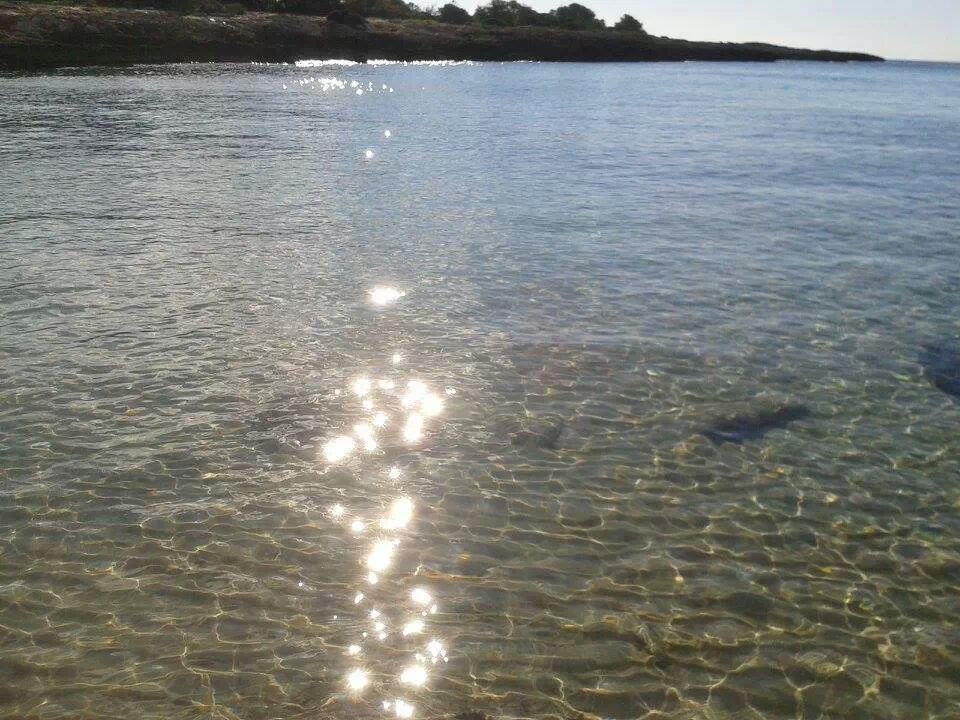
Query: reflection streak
<point>421,404</point>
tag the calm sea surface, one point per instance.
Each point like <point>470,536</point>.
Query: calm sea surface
<point>235,484</point>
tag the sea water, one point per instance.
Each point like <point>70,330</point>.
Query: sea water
<point>373,391</point>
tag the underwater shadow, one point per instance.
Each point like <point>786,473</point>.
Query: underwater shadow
<point>753,426</point>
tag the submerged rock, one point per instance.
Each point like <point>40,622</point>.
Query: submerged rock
<point>941,366</point>
<point>544,435</point>
<point>753,426</point>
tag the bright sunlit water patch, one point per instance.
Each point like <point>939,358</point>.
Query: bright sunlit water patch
<point>399,515</point>
<point>420,596</point>
<point>325,63</point>
<point>403,709</point>
<point>436,651</point>
<point>361,386</point>
<point>358,680</point>
<point>422,63</point>
<point>413,429</point>
<point>431,405</point>
<point>415,675</point>
<point>338,449</point>
<point>383,295</point>
<point>381,556</point>
<point>414,627</point>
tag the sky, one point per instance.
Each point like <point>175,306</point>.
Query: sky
<point>895,29</point>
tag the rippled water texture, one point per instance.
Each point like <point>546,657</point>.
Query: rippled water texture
<point>648,342</point>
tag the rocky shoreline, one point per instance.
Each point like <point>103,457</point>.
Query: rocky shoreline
<point>36,37</point>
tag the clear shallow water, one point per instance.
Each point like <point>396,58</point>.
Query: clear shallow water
<point>600,261</point>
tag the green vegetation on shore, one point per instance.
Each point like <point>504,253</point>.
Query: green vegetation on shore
<point>43,35</point>
<point>496,13</point>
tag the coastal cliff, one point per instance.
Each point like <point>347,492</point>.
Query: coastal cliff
<point>35,37</point>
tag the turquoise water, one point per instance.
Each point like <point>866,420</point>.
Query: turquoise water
<point>599,264</point>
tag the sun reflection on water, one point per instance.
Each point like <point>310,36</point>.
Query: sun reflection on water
<point>381,556</point>
<point>413,428</point>
<point>414,627</point>
<point>399,515</point>
<point>383,295</point>
<point>357,680</point>
<point>361,386</point>
<point>431,405</point>
<point>394,413</point>
<point>415,675</point>
<point>338,449</point>
<point>420,596</point>
<point>403,709</point>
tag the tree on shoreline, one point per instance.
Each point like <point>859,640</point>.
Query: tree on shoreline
<point>498,13</point>
<point>577,17</point>
<point>510,13</point>
<point>393,9</point>
<point>628,23</point>
<point>453,14</point>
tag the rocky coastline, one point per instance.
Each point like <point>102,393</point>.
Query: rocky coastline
<point>38,37</point>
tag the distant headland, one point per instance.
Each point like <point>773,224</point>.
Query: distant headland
<point>36,35</point>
